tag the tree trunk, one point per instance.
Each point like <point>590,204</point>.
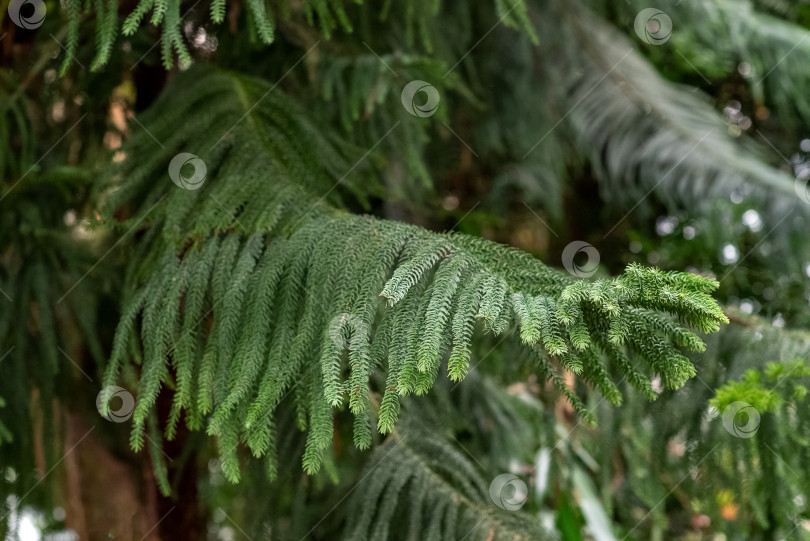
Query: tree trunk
<point>113,497</point>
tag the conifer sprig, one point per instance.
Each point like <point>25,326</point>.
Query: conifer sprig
<point>434,485</point>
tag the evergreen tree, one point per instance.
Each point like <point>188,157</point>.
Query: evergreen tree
<point>415,270</point>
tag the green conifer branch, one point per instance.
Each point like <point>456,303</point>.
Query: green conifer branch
<point>284,279</point>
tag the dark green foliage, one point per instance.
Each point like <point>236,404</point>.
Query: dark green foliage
<point>328,15</point>
<point>636,110</point>
<point>46,308</point>
<point>420,484</point>
<point>267,310</point>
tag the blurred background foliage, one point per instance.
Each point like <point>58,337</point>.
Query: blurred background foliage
<point>557,123</point>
